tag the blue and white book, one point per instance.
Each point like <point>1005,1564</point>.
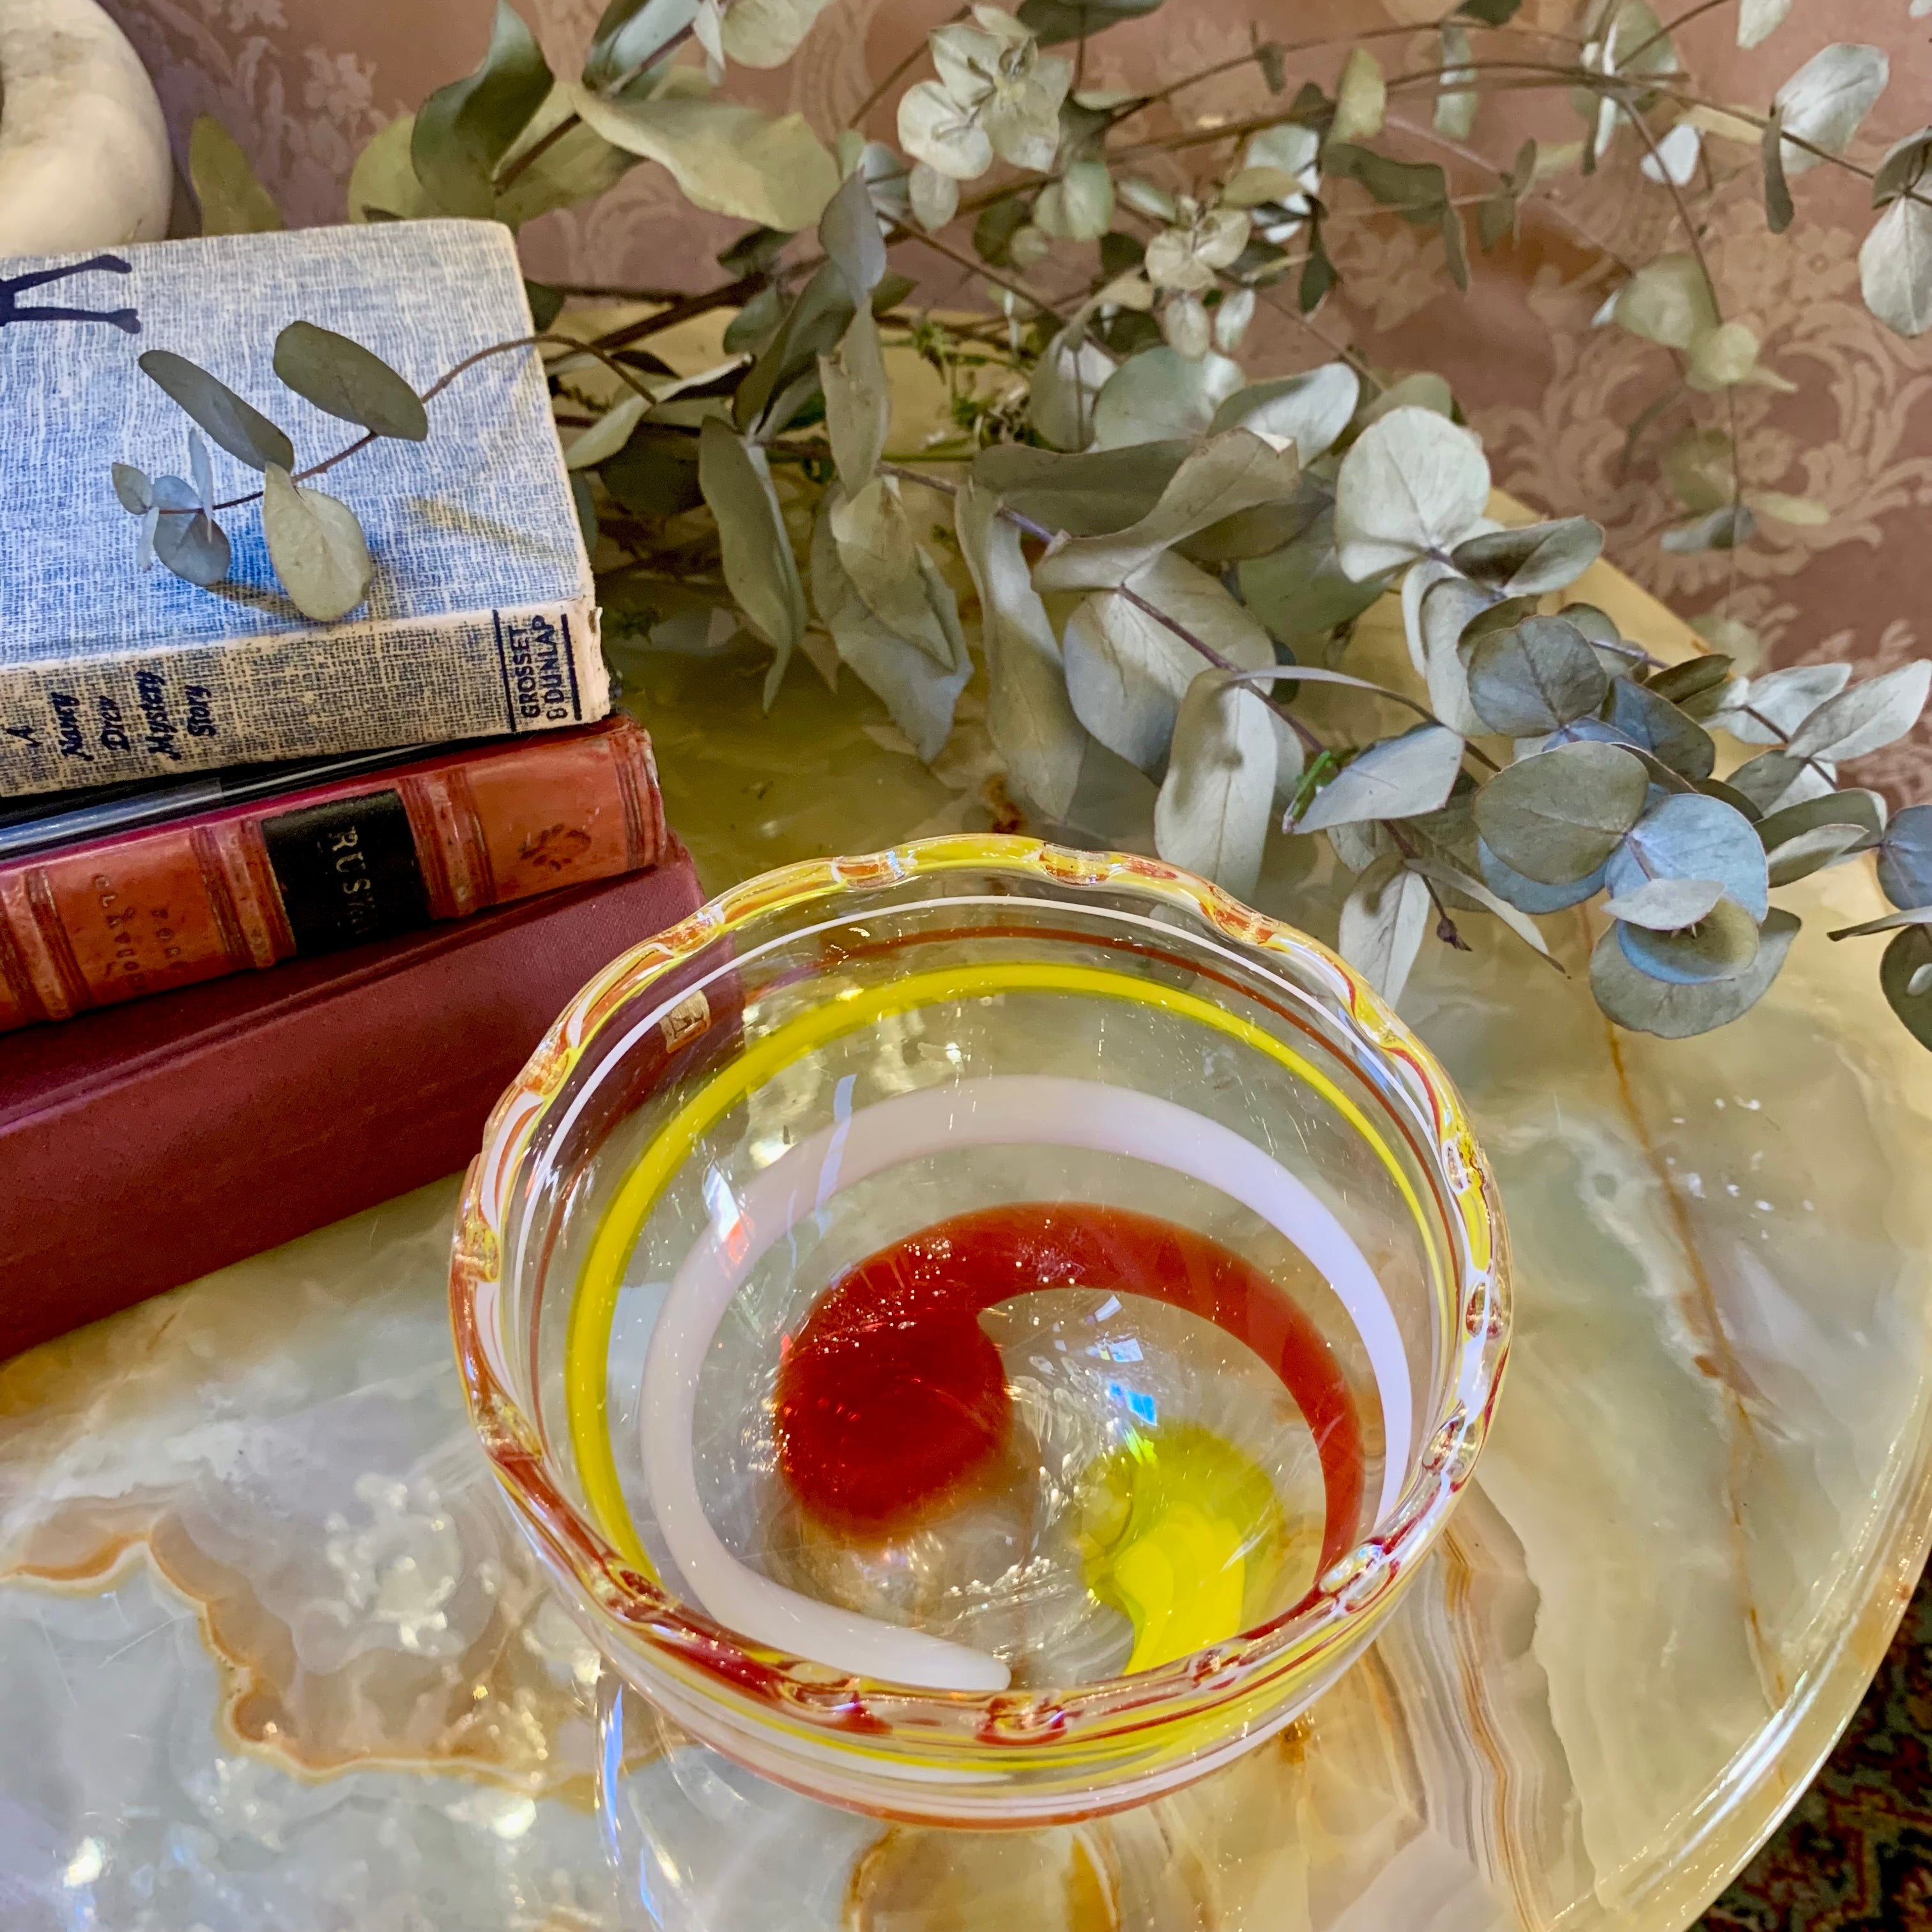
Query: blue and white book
<point>480,619</point>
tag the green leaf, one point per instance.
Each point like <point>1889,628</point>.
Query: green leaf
<point>728,159</point>
<point>848,232</point>
<point>920,692</point>
<point>767,33</point>
<point>1633,999</point>
<point>233,201</point>
<point>1456,101</point>
<point>1417,190</point>
<point>1079,206</point>
<point>1056,22</point>
<point>134,488</point>
<point>202,471</point>
<point>1455,879</point>
<point>343,379</point>
<point>631,36</point>
<point>858,402</point>
<point>1825,101</point>
<point>1211,816</point>
<point>1891,922</point>
<point>1867,717</point>
<point>576,165</point>
<point>1808,852</point>
<point>1533,558</point>
<point>1067,383</point>
<point>186,539</point>
<point>1691,835</point>
<point>1899,171</point>
<point>1384,920</point>
<point>1402,777</point>
<point>1666,905</point>
<point>1225,475</point>
<point>1778,212</point>
<point>1538,674</point>
<point>759,570</point>
<point>879,554</point>
<point>1685,684</point>
<point>1361,97</point>
<point>1720,946</point>
<point>1448,607</point>
<point>1301,590</point>
<point>785,375</point>
<point>609,433</point>
<point>462,131</point>
<point>1310,410</point>
<point>1411,484</point>
<point>1029,714</point>
<point>383,185</point>
<point>585,504</point>
<point>999,222</point>
<point>1895,267</point>
<point>317,546</point>
<point>1560,814</point>
<point>1668,301</point>
<point>1159,393</point>
<point>1905,857</point>
<point>1901,978</point>
<point>1775,779</point>
<point>655,474</point>
<point>1653,722</point>
<point>1126,671</point>
<point>237,426</point>
<point>1769,709</point>
<point>1862,811</point>
<point>546,303</point>
<point>1490,13</point>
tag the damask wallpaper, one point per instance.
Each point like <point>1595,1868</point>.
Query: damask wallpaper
<point>1564,408</point>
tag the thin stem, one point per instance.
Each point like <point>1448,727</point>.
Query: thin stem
<point>981,269</point>
<point>898,73</point>
<point>1669,27</point>
<point>1446,928</point>
<point>727,294</point>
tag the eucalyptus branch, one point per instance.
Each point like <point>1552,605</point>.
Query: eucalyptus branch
<point>1446,928</point>
<point>542,145</point>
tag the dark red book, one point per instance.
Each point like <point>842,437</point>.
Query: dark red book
<point>143,1145</point>
<point>321,867</point>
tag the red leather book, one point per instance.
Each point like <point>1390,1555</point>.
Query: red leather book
<point>337,865</point>
<point>142,1146</point>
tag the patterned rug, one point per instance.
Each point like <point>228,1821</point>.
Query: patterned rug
<point>1855,1854</point>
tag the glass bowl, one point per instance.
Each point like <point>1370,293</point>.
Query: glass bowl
<point>1156,1523</point>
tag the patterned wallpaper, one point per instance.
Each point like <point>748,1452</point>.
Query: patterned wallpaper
<point>304,83</point>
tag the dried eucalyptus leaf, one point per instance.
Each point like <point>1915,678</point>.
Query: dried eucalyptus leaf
<point>858,401</point>
<point>1449,606</point>
<point>1891,921</point>
<point>1895,267</point>
<point>462,131</point>
<point>202,471</point>
<point>1904,978</point>
<point>785,375</point>
<point>1361,97</point>
<point>185,539</point>
<point>1905,857</point>
<point>1126,671</point>
<point>1029,714</point>
<point>1825,101</point>
<point>1722,945</point>
<point>1056,22</point>
<point>1454,881</point>
<point>1759,19</point>
<point>1533,558</point>
<point>237,426</point>
<point>921,694</point>
<point>1770,708</point>
<point>767,33</point>
<point>233,199</point>
<point>317,546</point>
<point>848,232</point>
<point>1530,896</point>
<point>1402,777</point>
<point>1861,811</point>
<point>1683,684</point>
<point>1778,212</point>
<point>1411,484</point>
<point>1160,394</point>
<point>134,488</point>
<point>1310,410</point>
<point>1561,814</point>
<point>1212,814</point>
<point>1775,779</point>
<point>1087,493</point>
<point>759,570</point>
<point>1691,835</point>
<point>727,158</point>
<point>632,33</point>
<point>574,163</point>
<point>609,433</point>
<point>1538,674</point>
<point>1067,383</point>
<point>1867,717</point>
<point>1666,905</point>
<point>1808,852</point>
<point>879,553</point>
<point>1457,99</point>
<point>1668,301</point>
<point>1634,999</point>
<point>1224,475</point>
<point>1651,721</point>
<point>1384,920</point>
<point>344,379</point>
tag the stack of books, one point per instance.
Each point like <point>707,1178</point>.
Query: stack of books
<point>285,904</point>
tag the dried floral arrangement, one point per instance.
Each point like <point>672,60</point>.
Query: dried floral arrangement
<point>1168,550</point>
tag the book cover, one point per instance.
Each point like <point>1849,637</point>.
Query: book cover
<point>361,858</point>
<point>480,619</point>
<point>145,1145</point>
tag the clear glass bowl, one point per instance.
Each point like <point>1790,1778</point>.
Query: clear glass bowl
<point>827,1060</point>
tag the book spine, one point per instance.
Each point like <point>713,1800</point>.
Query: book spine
<point>338,865</point>
<point>299,693</point>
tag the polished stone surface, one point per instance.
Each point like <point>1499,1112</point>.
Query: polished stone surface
<point>271,1657</point>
